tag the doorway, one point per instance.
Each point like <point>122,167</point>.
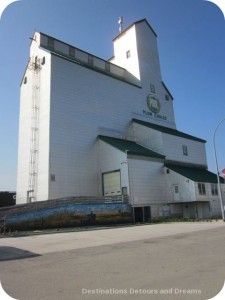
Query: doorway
<point>142,214</point>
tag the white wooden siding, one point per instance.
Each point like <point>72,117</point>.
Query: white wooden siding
<point>147,182</point>
<point>111,159</point>
<point>173,149</point>
<point>25,124</point>
<point>186,187</point>
<point>144,65</point>
<point>75,102</point>
<point>24,139</point>
<point>44,128</point>
<point>149,138</point>
<point>82,101</point>
<point>170,145</point>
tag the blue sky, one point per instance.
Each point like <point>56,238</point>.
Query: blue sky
<point>191,41</point>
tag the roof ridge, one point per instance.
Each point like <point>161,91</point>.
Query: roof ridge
<point>134,23</point>
<point>169,130</point>
<point>130,147</point>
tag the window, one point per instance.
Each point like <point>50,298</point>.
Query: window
<point>167,98</point>
<point>52,177</point>
<point>51,42</point>
<point>214,189</point>
<point>176,189</point>
<point>124,190</point>
<point>71,51</point>
<point>36,63</point>
<point>128,54</point>
<point>185,150</point>
<point>25,80</point>
<point>201,189</point>
<point>90,59</point>
<point>107,66</point>
<point>152,88</point>
<point>176,193</point>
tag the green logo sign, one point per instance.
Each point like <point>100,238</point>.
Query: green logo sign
<point>153,104</point>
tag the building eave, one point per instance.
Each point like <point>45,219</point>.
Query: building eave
<point>168,130</point>
<point>195,174</point>
<point>130,147</point>
<point>95,69</point>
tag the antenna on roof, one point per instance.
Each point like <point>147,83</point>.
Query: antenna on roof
<point>120,22</point>
<point>33,38</point>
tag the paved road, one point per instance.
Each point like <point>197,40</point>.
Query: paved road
<point>165,261</point>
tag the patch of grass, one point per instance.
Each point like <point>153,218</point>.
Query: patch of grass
<point>174,219</point>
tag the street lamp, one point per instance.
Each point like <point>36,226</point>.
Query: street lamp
<point>130,194</point>
<point>217,168</point>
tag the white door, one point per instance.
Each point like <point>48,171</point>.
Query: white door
<point>111,184</point>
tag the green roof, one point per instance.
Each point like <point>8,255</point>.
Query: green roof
<point>195,174</point>
<point>130,147</point>
<point>168,130</point>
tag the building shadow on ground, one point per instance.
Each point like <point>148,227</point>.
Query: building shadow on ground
<point>12,253</point>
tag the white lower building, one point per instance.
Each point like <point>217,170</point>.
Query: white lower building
<point>91,127</point>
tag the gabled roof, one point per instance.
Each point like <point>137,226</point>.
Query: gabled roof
<point>168,130</point>
<point>135,23</point>
<point>130,147</point>
<point>195,174</point>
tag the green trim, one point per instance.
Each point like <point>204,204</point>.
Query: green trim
<point>130,147</point>
<point>195,174</point>
<point>168,130</point>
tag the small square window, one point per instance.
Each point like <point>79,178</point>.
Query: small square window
<point>167,98</point>
<point>90,59</point>
<point>176,189</point>
<point>52,177</point>
<point>201,189</point>
<point>214,189</point>
<point>43,60</point>
<point>124,190</point>
<point>128,54</point>
<point>185,150</point>
<point>107,66</point>
<point>71,51</point>
<point>51,43</point>
<point>152,88</point>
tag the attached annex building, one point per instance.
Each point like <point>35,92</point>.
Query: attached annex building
<point>92,127</point>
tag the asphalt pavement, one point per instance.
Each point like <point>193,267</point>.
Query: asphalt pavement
<point>163,261</point>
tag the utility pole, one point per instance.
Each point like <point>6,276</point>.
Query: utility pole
<point>218,172</point>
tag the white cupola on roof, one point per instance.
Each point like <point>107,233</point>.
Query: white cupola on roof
<point>135,49</point>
